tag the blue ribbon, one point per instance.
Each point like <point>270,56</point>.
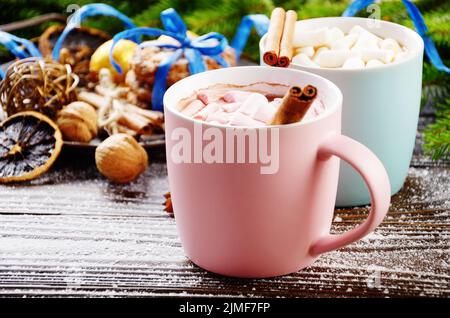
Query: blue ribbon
<point>430,47</point>
<point>419,24</point>
<point>211,44</point>
<point>261,24</point>
<point>21,48</point>
<point>84,12</point>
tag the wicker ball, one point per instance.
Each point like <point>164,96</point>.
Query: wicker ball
<point>39,85</point>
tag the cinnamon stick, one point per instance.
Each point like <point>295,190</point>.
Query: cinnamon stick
<point>270,56</point>
<point>94,99</point>
<point>294,105</point>
<point>286,48</point>
<point>137,123</point>
<point>136,119</point>
<point>125,130</point>
<point>155,116</point>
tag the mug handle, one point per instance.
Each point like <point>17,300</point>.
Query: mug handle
<point>376,179</point>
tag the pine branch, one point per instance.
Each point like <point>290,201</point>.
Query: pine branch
<point>436,85</point>
<point>225,16</point>
<point>437,134</point>
<point>150,16</point>
<point>318,8</point>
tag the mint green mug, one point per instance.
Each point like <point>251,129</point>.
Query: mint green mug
<point>381,105</point>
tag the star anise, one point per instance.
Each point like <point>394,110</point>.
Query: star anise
<point>168,204</point>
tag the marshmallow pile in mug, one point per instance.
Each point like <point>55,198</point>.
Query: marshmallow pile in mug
<point>332,48</point>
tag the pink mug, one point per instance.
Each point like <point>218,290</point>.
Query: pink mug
<point>246,217</point>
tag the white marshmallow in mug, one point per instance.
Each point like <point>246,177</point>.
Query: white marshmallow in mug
<point>332,58</point>
<point>374,63</point>
<point>385,56</point>
<point>365,41</point>
<point>345,43</point>
<point>318,51</point>
<point>352,50</point>
<point>390,44</point>
<point>304,60</point>
<point>360,31</point>
<point>335,34</point>
<point>314,38</point>
<point>400,56</point>
<point>308,50</point>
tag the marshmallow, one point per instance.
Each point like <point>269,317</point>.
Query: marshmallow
<point>345,43</point>
<point>358,30</point>
<point>332,58</point>
<point>318,51</point>
<point>353,63</point>
<point>208,109</point>
<point>208,97</point>
<point>255,111</point>
<point>315,38</point>
<point>315,109</point>
<point>252,103</point>
<point>219,117</point>
<point>276,103</point>
<point>308,50</point>
<point>400,56</point>
<point>231,107</point>
<point>390,44</point>
<point>239,119</point>
<point>385,56</point>
<point>362,44</point>
<point>355,53</point>
<point>303,60</point>
<point>264,114</point>
<point>374,63</point>
<point>336,34</point>
<point>236,96</point>
<point>194,107</point>
<point>366,41</point>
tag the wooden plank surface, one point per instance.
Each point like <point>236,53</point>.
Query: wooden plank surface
<point>71,233</point>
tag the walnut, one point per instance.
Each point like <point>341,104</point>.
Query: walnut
<point>120,158</point>
<point>77,122</point>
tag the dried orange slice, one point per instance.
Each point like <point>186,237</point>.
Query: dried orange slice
<point>29,144</point>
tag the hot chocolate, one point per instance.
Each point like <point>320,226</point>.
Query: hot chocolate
<point>242,105</point>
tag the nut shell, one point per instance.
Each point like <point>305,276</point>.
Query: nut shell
<point>120,158</point>
<point>78,122</point>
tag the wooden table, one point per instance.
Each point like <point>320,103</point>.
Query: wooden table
<point>71,233</point>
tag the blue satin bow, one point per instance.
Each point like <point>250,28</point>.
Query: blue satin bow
<point>419,23</point>
<point>211,44</point>
<point>84,12</point>
<point>21,48</point>
<point>259,21</point>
